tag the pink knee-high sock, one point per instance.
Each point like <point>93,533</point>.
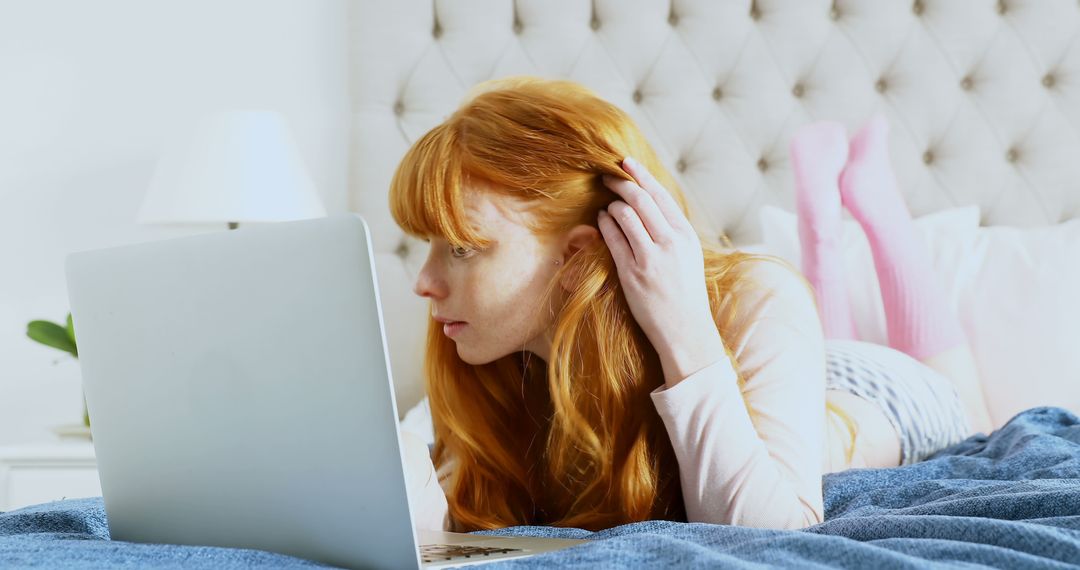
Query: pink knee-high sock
<point>818,153</point>
<point>918,318</point>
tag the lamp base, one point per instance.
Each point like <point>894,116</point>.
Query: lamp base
<point>73,432</point>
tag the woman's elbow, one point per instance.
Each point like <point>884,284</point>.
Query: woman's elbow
<point>808,516</point>
<point>797,519</point>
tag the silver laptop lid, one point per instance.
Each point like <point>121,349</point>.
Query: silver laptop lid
<point>240,394</point>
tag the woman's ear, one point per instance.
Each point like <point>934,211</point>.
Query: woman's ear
<point>580,236</point>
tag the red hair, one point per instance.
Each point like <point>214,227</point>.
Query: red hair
<point>578,443</point>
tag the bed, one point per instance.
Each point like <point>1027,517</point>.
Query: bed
<point>1009,500</point>
<point>984,101</point>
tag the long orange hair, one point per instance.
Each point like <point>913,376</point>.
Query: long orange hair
<point>579,443</point>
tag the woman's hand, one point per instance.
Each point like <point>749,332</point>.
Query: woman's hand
<point>662,270</point>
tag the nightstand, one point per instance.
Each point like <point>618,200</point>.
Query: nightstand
<point>42,472</point>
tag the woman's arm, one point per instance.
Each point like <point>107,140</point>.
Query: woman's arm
<point>766,471</point>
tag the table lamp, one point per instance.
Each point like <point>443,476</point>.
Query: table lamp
<point>234,166</point>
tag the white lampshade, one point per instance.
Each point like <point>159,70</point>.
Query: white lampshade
<point>235,166</point>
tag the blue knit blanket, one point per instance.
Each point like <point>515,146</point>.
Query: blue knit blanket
<point>1007,500</point>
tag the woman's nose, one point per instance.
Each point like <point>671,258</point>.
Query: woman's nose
<point>426,286</point>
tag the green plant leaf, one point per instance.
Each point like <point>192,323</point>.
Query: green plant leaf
<point>51,334</point>
<point>71,335</point>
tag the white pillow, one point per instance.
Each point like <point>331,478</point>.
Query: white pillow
<point>1021,310</point>
<point>1014,289</point>
<point>781,238</point>
<point>417,421</point>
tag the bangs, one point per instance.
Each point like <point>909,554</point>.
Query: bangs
<point>426,196</point>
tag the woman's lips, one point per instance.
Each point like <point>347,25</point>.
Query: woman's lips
<point>451,329</point>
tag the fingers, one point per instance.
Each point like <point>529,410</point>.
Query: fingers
<point>647,216</point>
<point>644,209</point>
<point>632,227</point>
<point>616,241</point>
<point>663,199</point>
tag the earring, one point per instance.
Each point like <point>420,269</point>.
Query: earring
<point>556,262</point>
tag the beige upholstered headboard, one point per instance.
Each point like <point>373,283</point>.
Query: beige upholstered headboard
<point>983,97</point>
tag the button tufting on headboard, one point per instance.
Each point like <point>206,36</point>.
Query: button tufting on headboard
<point>982,107</point>
<point>770,79</point>
<point>402,249</point>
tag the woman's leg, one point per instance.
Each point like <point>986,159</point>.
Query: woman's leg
<point>818,153</point>
<point>918,317</point>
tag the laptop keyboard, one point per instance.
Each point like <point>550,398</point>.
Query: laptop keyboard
<point>443,552</point>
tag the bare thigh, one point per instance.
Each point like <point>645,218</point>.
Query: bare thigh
<point>877,443</point>
<point>958,365</point>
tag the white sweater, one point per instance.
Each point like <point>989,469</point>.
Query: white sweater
<point>761,472</point>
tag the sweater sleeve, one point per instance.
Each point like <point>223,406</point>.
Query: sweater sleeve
<point>762,469</point>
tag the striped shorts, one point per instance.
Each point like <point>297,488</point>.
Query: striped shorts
<point>921,404</point>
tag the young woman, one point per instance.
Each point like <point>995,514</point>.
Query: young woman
<point>592,360</point>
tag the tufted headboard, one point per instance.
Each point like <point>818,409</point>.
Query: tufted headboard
<point>983,97</point>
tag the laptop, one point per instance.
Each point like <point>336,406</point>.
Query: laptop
<point>240,395</point>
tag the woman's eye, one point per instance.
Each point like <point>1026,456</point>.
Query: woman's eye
<point>459,251</point>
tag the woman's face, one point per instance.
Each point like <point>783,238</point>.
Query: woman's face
<point>496,292</point>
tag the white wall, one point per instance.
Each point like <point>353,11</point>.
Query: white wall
<point>89,93</point>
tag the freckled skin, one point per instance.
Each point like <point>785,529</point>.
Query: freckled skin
<point>497,291</point>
